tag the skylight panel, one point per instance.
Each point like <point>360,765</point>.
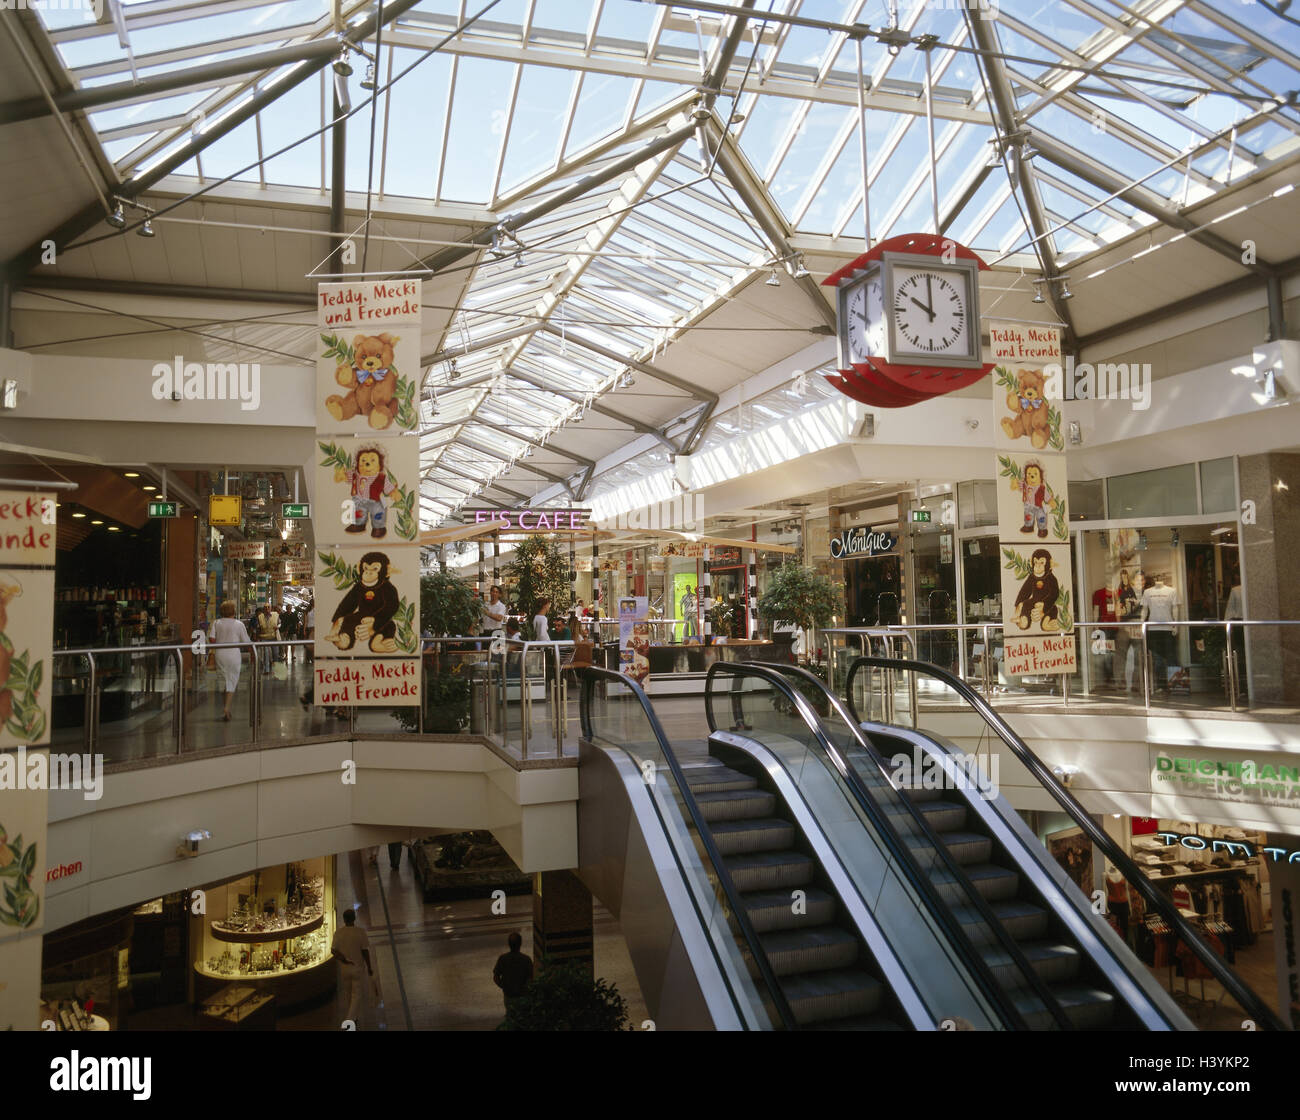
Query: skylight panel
<point>478,127</point>
<point>540,108</point>
<point>602,106</point>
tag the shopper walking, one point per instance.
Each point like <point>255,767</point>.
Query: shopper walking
<point>513,971</point>
<point>268,630</point>
<point>227,630</point>
<point>351,948</point>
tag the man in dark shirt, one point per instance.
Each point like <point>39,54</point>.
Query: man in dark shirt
<point>513,971</point>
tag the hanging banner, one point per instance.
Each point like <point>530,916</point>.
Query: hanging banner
<point>26,528</point>
<point>367,523</point>
<point>1033,519</point>
<point>246,550</point>
<point>367,487</point>
<point>26,639</point>
<point>634,637</point>
<point>368,356</point>
<point>24,809</point>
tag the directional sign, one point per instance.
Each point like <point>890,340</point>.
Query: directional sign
<point>920,515</point>
<point>164,509</point>
<point>224,509</point>
<point>295,511</point>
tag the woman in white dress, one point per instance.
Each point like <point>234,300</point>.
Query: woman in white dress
<point>228,629</point>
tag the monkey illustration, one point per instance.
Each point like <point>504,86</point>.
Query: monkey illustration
<point>367,610</point>
<point>1037,599</point>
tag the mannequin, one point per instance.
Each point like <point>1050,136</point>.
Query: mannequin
<point>1127,608</point>
<point>1103,610</point>
<point>1159,604</point>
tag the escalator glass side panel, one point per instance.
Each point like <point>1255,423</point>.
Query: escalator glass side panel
<point>616,717</point>
<point>764,714</point>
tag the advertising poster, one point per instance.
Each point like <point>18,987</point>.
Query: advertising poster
<point>685,605</point>
<point>24,806</point>
<point>634,637</point>
<point>367,489</point>
<point>246,550</point>
<point>1038,611</point>
<point>366,602</point>
<point>368,682</point>
<point>368,356</point>
<point>26,637</point>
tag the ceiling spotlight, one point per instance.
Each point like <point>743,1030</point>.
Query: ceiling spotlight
<point>146,230</point>
<point>96,522</point>
<point>114,529</point>
<point>117,219</point>
<point>78,514</point>
<point>519,259</point>
<point>453,373</point>
<point>341,65</point>
<point>800,383</point>
<point>368,82</point>
<point>1065,287</point>
<point>773,280</point>
<point>496,248</point>
<point>799,270</point>
<point>1038,292</point>
<point>130,474</point>
<point>627,380</point>
<point>528,452</point>
<point>148,489</point>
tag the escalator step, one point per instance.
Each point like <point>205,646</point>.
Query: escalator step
<point>1023,920</point>
<point>1053,962</point>
<point>706,778</point>
<point>838,994</point>
<point>773,910</point>
<point>760,871</point>
<point>762,834</point>
<point>994,883</point>
<point>1088,1009</point>
<point>966,847</point>
<point>791,952</point>
<point>941,816</point>
<point>862,1023</point>
<point>733,805</point>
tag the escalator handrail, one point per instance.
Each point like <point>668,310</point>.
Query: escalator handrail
<point>590,675</point>
<point>1246,998</point>
<point>977,900</point>
<point>897,850</point>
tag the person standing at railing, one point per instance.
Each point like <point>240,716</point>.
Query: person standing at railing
<point>228,630</point>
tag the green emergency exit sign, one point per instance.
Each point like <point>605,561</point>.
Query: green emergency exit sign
<point>921,515</point>
<point>295,511</point>
<point>164,509</point>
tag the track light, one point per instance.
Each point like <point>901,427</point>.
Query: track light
<point>1038,292</point>
<point>496,247</point>
<point>117,219</point>
<point>1065,287</point>
<point>773,280</point>
<point>146,230</point>
<point>368,82</point>
<point>799,270</point>
<point>627,380</point>
<point>341,65</point>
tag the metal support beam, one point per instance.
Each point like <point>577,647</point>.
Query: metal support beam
<point>182,78</point>
<point>93,213</point>
<point>1276,312</point>
<point>764,211</point>
<point>511,222</point>
<point>557,479</point>
<point>514,434</point>
<point>1004,106</point>
<point>477,481</point>
<point>1138,196</point>
<point>571,335</point>
<point>577,398</point>
<point>174,291</point>
<point>972,189</point>
<point>338,185</point>
<point>696,433</point>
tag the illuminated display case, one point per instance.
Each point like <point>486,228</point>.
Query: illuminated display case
<point>271,929</point>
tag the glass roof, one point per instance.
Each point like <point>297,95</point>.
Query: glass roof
<point>535,96</point>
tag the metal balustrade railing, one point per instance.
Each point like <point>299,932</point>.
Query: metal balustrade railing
<point>1233,664</point>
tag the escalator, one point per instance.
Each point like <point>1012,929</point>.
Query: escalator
<point>775,876</point>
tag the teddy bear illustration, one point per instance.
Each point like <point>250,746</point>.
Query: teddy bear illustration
<point>1029,407</point>
<point>370,381</point>
<point>8,592</point>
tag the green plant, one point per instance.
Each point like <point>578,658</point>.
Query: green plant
<point>801,596</point>
<point>538,571</point>
<point>562,997</point>
<point>722,615</point>
<point>446,700</point>
<point>448,605</point>
<point>20,904</point>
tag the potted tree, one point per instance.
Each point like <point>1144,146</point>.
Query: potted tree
<point>448,606</point>
<point>564,997</point>
<point>801,596</point>
<point>538,571</point>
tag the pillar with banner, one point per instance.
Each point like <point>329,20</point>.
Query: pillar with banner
<point>1038,611</point>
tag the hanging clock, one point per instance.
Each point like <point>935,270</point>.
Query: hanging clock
<point>908,321</point>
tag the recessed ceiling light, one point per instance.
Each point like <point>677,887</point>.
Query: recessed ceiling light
<point>78,515</point>
<point>97,523</point>
<point>114,529</point>
<point>130,474</point>
<point>148,489</point>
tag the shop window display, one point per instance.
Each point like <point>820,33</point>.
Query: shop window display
<point>271,928</point>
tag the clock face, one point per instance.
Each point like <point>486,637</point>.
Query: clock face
<point>930,311</point>
<point>864,312</point>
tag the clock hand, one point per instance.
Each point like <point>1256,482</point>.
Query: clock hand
<point>928,310</point>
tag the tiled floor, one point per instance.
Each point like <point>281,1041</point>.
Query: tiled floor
<point>434,960</point>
